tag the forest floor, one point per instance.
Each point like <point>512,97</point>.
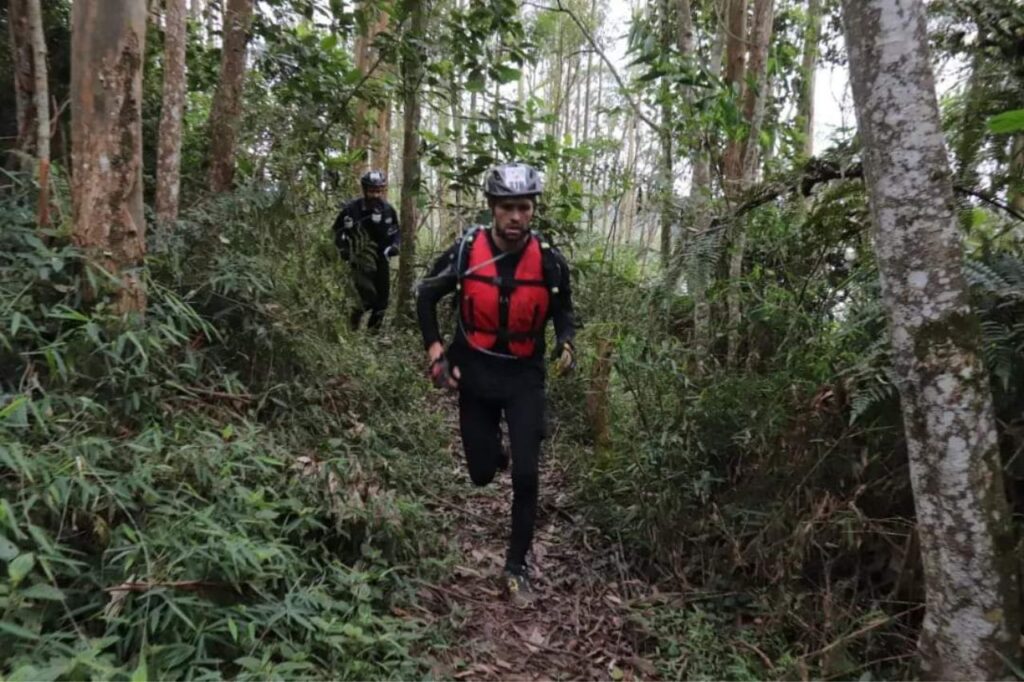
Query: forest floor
<point>578,627</point>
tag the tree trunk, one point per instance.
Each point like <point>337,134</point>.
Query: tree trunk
<point>107,53</point>
<point>455,229</point>
<point>380,142</point>
<point>42,108</point>
<point>684,40</point>
<point>168,164</point>
<point>629,200</point>
<point>1015,190</point>
<point>701,261</point>
<point>412,76</point>
<point>971,622</point>
<point>735,73</point>
<point>808,75</point>
<point>24,80</point>
<point>366,140</point>
<point>753,113</point>
<point>226,112</point>
<point>212,10</point>
<point>598,398</point>
<point>665,184</point>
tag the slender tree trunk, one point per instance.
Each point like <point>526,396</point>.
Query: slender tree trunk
<point>598,398</point>
<point>701,261</point>
<point>107,52</point>
<point>735,77</point>
<point>212,11</point>
<point>456,102</point>
<point>168,164</point>
<point>971,623</point>
<point>359,139</point>
<point>42,107</point>
<point>665,184</point>
<point>629,201</point>
<point>226,112</point>
<point>412,75</point>
<point>808,76</point>
<point>684,41</point>
<point>445,218</point>
<point>380,142</point>
<point>753,113</point>
<point>556,86</point>
<point>380,149</point>
<point>1015,191</point>
<point>24,78</point>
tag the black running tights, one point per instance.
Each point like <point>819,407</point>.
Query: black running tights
<point>479,420</point>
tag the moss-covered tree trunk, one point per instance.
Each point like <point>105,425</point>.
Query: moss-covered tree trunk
<point>168,164</point>
<point>971,622</point>
<point>412,77</point>
<point>226,112</point>
<point>107,41</point>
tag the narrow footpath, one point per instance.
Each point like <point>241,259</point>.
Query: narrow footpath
<point>579,625</point>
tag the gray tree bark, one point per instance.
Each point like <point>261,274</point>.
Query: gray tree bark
<point>971,622</point>
<point>226,112</point>
<point>42,107</point>
<point>665,189</point>
<point>107,53</point>
<point>168,164</point>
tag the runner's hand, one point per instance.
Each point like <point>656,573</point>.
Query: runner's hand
<point>565,355</point>
<point>441,372</point>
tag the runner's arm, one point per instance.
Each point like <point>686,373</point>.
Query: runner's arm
<point>439,281</point>
<point>562,313</point>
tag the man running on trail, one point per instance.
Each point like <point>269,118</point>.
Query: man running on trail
<point>509,283</point>
<point>366,234</point>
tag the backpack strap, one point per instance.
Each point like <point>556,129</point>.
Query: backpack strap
<point>548,260</point>
<point>462,255</point>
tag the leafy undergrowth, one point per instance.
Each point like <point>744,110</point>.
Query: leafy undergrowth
<point>220,490</point>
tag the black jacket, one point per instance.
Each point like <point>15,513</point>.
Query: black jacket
<point>365,228</point>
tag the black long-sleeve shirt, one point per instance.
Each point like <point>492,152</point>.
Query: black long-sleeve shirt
<point>480,371</point>
<point>366,221</point>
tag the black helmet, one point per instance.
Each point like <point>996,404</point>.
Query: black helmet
<point>374,179</point>
<point>513,180</point>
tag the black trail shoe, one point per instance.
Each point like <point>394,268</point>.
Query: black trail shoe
<point>520,592</point>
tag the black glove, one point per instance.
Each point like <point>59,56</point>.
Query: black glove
<point>441,374</point>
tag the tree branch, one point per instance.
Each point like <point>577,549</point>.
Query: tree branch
<point>815,172</point>
<point>597,48</point>
<point>992,201</point>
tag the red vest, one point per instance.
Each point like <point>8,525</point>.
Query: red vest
<point>492,308</point>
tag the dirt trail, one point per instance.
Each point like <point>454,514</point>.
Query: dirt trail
<point>578,628</point>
